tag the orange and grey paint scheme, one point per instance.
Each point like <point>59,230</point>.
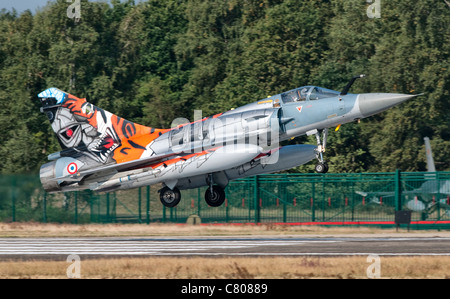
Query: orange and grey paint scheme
<point>104,152</point>
<point>98,133</point>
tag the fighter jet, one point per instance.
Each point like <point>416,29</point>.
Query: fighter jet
<point>425,198</point>
<point>104,152</point>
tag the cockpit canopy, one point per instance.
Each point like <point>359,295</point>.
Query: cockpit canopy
<point>308,93</point>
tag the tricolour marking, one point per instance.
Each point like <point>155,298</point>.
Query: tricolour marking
<point>72,168</point>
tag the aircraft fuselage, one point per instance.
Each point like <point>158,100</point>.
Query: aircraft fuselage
<point>103,152</point>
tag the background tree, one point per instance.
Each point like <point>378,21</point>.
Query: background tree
<point>155,61</point>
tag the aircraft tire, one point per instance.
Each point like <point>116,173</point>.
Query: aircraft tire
<point>217,197</point>
<point>321,168</point>
<point>170,198</point>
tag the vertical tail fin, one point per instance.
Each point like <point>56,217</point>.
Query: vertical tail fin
<point>430,162</point>
<point>82,128</point>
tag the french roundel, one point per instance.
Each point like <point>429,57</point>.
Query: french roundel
<point>72,168</point>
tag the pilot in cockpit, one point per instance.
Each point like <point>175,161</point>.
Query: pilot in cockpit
<point>303,94</point>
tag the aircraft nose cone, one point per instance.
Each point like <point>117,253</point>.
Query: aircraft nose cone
<point>373,103</point>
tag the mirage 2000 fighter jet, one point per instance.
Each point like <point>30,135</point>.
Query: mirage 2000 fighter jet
<point>104,152</point>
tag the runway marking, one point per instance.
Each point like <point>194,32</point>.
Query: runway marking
<point>134,247</point>
<point>314,254</point>
<point>221,246</point>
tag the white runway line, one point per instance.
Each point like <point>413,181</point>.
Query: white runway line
<point>127,247</point>
<point>195,246</point>
<point>313,254</point>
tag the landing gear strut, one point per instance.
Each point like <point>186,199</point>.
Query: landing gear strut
<point>322,166</point>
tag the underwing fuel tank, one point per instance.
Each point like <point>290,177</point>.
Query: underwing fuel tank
<point>281,159</point>
<point>276,160</point>
<point>175,169</point>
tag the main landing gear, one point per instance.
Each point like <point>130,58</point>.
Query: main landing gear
<point>214,195</point>
<point>169,197</point>
<point>322,166</point>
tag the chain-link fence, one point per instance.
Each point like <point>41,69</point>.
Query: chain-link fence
<point>277,198</point>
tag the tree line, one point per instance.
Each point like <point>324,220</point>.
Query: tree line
<point>153,61</point>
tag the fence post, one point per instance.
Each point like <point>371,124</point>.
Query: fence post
<point>108,217</point>
<point>284,198</point>
<point>227,216</point>
<point>398,190</point>
<point>13,199</point>
<point>353,201</point>
<point>256,198</point>
<point>198,202</point>
<point>438,206</point>
<point>114,209</point>
<point>313,210</point>
<point>76,207</point>
<point>140,204</point>
<point>147,218</point>
<point>323,198</point>
<point>99,205</point>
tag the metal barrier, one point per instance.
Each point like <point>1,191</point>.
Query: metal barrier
<point>277,198</point>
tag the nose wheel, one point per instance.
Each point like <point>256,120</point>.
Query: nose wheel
<point>322,166</point>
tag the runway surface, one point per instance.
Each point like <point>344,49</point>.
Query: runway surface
<point>27,248</point>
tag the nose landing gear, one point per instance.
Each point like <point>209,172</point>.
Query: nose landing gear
<point>322,166</point>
